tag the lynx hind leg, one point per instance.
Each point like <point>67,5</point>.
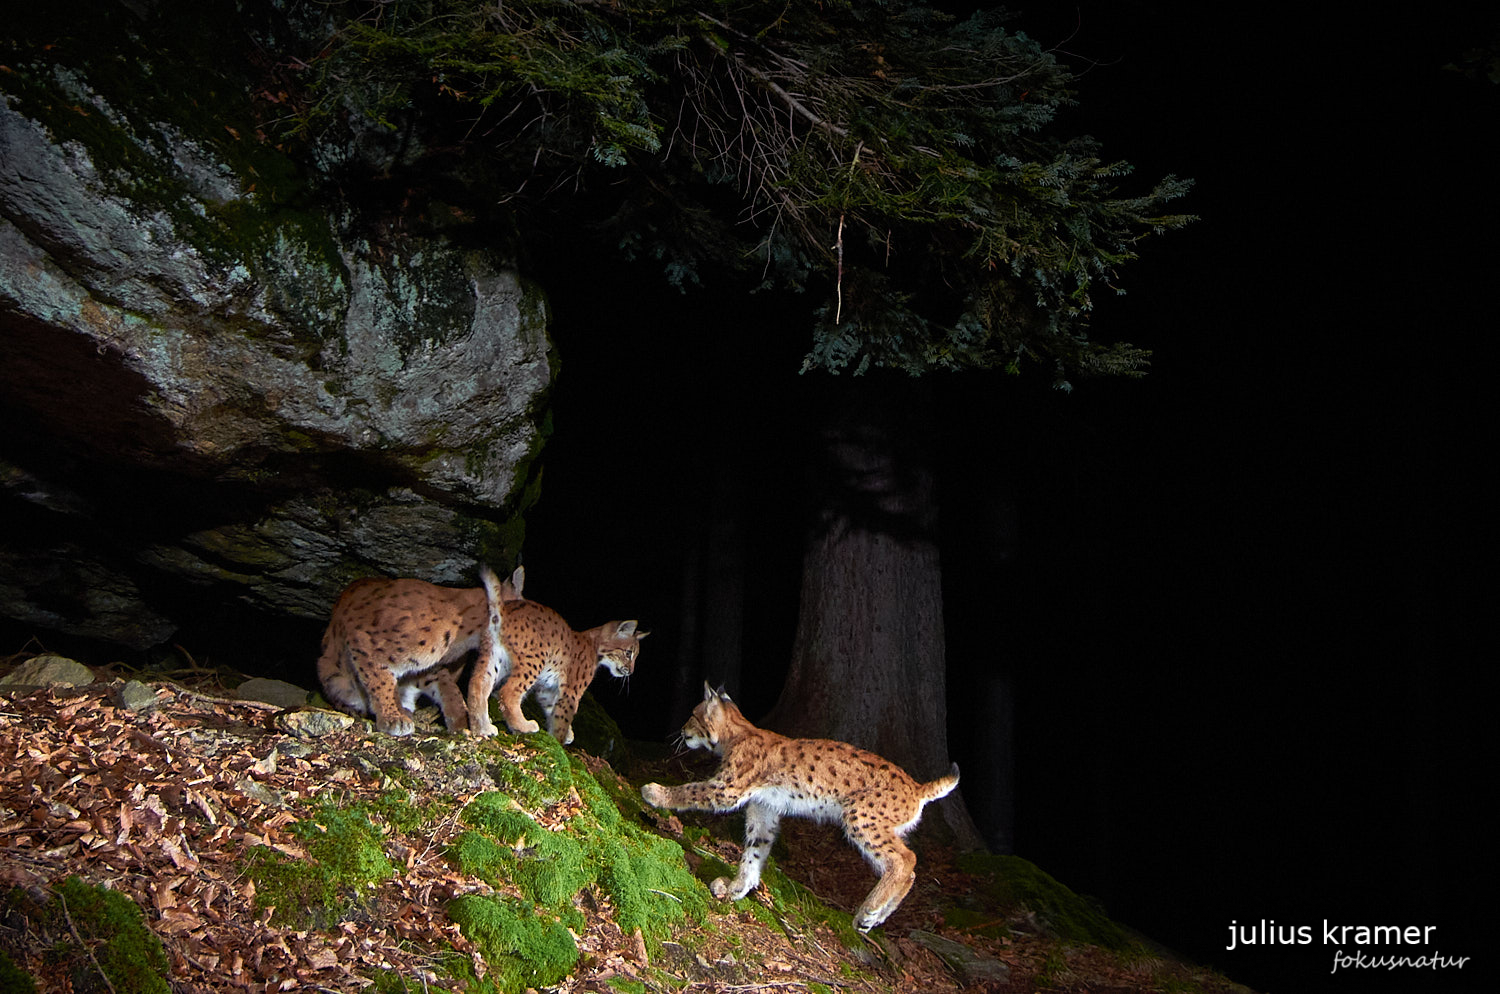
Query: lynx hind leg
<point>761,825</point>
<point>512,692</point>
<point>559,720</point>
<point>883,846</point>
<point>441,686</point>
<point>340,686</point>
<point>494,663</point>
<point>490,669</point>
<point>380,686</point>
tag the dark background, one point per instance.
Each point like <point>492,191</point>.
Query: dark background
<point>1235,606</point>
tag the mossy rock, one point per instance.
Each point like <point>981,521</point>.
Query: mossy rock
<point>119,953</point>
<point>1013,882</point>
<point>13,979</point>
<point>522,947</point>
<point>344,858</point>
<point>587,844</point>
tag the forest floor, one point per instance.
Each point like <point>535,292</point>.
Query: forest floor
<point>176,801</point>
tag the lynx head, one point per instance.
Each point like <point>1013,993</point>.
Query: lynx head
<point>712,722</point>
<point>619,643</point>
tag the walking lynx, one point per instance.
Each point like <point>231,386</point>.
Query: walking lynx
<point>770,775</point>
<point>542,651</point>
<point>390,642</point>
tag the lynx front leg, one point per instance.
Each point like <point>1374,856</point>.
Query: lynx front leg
<point>706,795</point>
<point>761,825</point>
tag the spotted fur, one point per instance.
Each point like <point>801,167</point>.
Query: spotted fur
<point>542,653</point>
<point>770,775</point>
<point>391,642</point>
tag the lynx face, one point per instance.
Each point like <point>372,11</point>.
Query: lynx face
<point>543,654</point>
<point>770,775</point>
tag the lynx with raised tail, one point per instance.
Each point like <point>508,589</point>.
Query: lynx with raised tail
<point>770,775</point>
<point>390,642</point>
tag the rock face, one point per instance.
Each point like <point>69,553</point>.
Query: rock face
<point>220,384</point>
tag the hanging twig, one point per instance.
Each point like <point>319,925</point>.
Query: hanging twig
<point>838,248</point>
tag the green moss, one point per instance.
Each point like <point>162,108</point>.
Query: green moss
<point>13,979</point>
<point>344,859</point>
<point>400,808</point>
<point>542,779</point>
<point>644,875</point>
<point>627,986</point>
<point>1013,882</point>
<point>507,843</point>
<point>522,947</point>
<point>115,940</point>
<point>802,905</point>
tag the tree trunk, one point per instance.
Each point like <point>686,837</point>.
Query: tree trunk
<point>868,662</point>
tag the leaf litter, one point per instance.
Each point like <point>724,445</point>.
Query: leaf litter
<point>166,805</point>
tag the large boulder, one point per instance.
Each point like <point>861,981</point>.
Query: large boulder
<point>220,379</point>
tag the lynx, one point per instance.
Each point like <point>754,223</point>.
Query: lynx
<point>770,775</point>
<point>541,651</point>
<point>390,642</point>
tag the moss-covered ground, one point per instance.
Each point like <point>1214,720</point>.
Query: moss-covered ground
<point>439,862</point>
<point>96,939</point>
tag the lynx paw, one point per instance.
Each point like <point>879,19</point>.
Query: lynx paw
<point>655,795</point>
<point>720,888</point>
<point>867,918</point>
<point>397,726</point>
<point>481,725</point>
<point>523,727</point>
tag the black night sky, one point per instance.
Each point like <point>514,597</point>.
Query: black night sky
<point>1240,617</point>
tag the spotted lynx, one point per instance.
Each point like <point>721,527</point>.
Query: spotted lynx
<point>770,775</point>
<point>541,651</point>
<point>390,642</point>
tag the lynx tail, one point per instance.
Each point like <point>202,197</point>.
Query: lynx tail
<point>941,787</point>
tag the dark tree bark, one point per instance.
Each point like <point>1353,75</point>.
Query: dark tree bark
<point>868,663</point>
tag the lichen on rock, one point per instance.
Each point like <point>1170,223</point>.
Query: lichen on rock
<point>220,370</point>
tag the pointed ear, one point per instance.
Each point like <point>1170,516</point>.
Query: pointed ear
<point>627,629</point>
<point>708,692</point>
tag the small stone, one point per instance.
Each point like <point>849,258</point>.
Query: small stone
<point>260,793</point>
<point>278,692</point>
<point>313,724</point>
<point>137,696</point>
<point>49,671</point>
